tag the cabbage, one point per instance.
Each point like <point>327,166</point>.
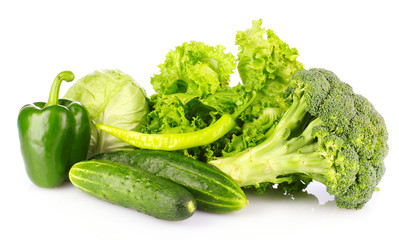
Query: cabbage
<point>111,97</point>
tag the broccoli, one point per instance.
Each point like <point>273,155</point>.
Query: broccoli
<point>328,134</point>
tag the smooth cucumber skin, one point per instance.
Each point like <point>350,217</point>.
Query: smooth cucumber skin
<point>214,190</point>
<point>133,188</point>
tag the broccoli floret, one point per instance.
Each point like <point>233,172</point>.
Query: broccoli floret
<point>328,133</point>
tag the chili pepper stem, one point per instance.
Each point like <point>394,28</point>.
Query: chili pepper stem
<point>55,88</point>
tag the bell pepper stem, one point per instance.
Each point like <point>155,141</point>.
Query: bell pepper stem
<point>55,88</point>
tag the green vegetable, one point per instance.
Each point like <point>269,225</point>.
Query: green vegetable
<point>53,136</point>
<point>264,65</point>
<point>177,141</point>
<point>193,70</point>
<point>133,188</point>
<point>213,190</point>
<point>111,97</point>
<point>192,83</point>
<point>173,141</point>
<point>328,134</point>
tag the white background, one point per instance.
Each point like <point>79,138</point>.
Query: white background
<point>358,40</point>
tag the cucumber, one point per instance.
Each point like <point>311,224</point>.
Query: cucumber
<point>214,190</point>
<point>133,188</point>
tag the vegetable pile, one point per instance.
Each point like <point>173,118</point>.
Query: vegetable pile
<point>282,127</point>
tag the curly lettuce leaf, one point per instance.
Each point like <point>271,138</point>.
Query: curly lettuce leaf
<point>193,70</point>
<point>192,76</point>
<point>266,64</point>
<point>168,116</point>
<point>227,99</point>
<point>192,90</point>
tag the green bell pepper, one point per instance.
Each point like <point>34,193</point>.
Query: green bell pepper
<point>53,136</point>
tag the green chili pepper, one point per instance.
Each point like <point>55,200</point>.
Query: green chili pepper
<point>53,136</point>
<point>178,141</point>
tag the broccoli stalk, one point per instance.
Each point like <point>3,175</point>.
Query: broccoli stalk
<point>328,133</point>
